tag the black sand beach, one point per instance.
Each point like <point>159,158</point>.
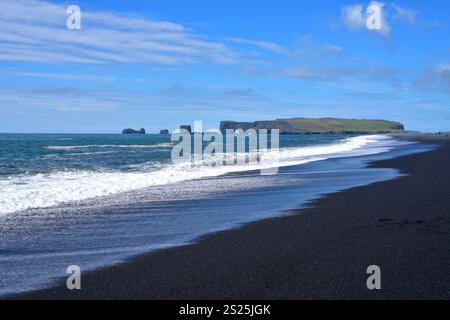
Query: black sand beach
<point>322,252</point>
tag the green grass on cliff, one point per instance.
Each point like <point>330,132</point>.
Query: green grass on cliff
<point>340,125</point>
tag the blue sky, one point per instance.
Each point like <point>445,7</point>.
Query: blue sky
<point>159,63</point>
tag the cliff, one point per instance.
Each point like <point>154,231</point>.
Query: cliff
<point>320,125</point>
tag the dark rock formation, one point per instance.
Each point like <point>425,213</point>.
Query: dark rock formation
<point>132,131</point>
<point>186,127</point>
<point>164,131</point>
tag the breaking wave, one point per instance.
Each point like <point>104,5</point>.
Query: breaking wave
<point>21,192</point>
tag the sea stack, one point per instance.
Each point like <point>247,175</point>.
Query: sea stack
<point>132,131</point>
<point>164,131</point>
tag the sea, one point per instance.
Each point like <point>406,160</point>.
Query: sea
<point>94,200</point>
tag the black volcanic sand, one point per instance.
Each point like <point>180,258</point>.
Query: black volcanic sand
<point>402,225</point>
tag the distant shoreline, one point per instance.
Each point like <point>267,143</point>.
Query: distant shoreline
<point>419,135</point>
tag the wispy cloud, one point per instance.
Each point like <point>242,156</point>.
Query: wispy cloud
<point>59,76</point>
<point>436,78</point>
<point>334,73</point>
<point>306,50</point>
<point>174,99</point>
<point>406,15</point>
<point>262,44</point>
<point>328,62</point>
<point>35,31</point>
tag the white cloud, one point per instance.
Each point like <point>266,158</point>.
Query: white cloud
<point>355,18</point>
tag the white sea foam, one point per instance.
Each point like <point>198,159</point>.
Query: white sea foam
<point>23,192</point>
<point>56,155</point>
<point>136,146</point>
